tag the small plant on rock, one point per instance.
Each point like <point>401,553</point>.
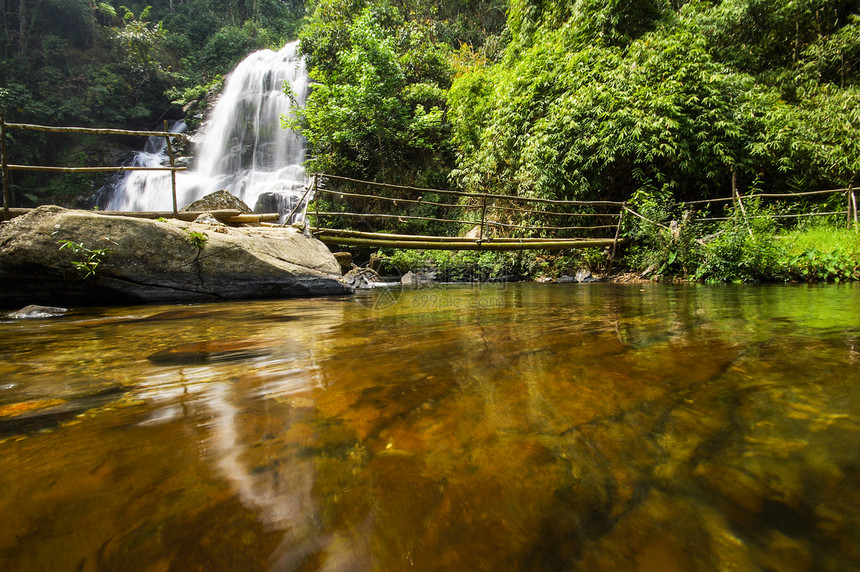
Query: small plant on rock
<point>197,239</point>
<point>87,259</point>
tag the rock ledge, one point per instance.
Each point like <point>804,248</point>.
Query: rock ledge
<point>152,261</point>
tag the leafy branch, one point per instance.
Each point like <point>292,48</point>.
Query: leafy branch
<point>88,259</point>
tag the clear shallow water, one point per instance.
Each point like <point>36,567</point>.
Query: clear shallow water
<point>519,427</point>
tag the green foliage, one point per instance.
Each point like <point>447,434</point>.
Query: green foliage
<point>750,246</point>
<point>603,99</point>
<point>87,260</point>
<point>451,266</point>
<point>744,250</point>
<point>482,266</point>
<point>376,110</point>
<point>161,219</point>
<point>821,252</point>
<point>196,239</point>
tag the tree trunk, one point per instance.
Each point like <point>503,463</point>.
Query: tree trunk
<point>21,25</point>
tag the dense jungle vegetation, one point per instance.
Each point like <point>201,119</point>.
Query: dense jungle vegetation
<point>651,101</point>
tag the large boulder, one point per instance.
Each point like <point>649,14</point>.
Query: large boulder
<point>110,259</point>
<point>219,200</point>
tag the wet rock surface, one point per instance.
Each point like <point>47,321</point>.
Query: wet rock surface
<point>139,260</point>
<point>34,311</point>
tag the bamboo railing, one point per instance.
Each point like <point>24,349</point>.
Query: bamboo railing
<point>493,232</point>
<point>486,208</point>
<point>850,211</point>
<point>6,167</point>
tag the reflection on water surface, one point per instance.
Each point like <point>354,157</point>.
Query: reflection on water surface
<point>526,427</point>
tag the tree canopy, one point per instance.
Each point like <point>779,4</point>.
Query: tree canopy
<point>607,99</point>
<point>545,98</point>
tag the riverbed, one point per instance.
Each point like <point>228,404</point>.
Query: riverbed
<point>461,427</point>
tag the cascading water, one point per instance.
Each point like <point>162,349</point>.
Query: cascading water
<point>242,147</point>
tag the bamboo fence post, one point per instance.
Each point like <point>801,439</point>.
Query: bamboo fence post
<point>172,169</point>
<point>316,205</point>
<point>848,217</point>
<point>615,240</point>
<point>854,202</point>
<point>734,187</point>
<point>743,210</point>
<point>299,204</point>
<point>5,167</point>
<point>483,217</point>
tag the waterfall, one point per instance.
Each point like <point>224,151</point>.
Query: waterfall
<point>241,146</point>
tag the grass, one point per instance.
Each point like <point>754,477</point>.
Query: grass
<point>824,239</point>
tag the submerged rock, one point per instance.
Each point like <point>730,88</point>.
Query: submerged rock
<point>214,351</point>
<point>36,311</point>
<point>130,260</point>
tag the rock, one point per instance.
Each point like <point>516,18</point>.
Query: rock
<point>281,202</point>
<point>219,200</point>
<point>475,233</point>
<point>418,278</point>
<point>345,261</point>
<point>35,311</point>
<point>583,276</point>
<point>140,260</point>
<point>363,278</point>
<point>207,218</point>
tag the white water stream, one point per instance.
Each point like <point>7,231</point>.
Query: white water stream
<point>241,147</point>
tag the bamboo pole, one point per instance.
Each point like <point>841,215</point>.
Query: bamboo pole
<point>854,202</point>
<point>550,213</point>
<point>172,169</point>
<point>483,216</point>
<point>457,221</point>
<point>798,215</point>
<point>464,194</point>
<point>89,130</point>
<point>89,169</point>
<point>766,195</point>
<point>421,201</point>
<point>467,245</point>
<point>734,186</point>
<point>418,201</point>
<point>187,216</point>
<point>252,217</point>
<point>301,200</point>
<point>646,219</point>
<point>741,204</point>
<point>336,232</point>
<point>7,199</point>
<point>615,241</point>
<point>316,206</point>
